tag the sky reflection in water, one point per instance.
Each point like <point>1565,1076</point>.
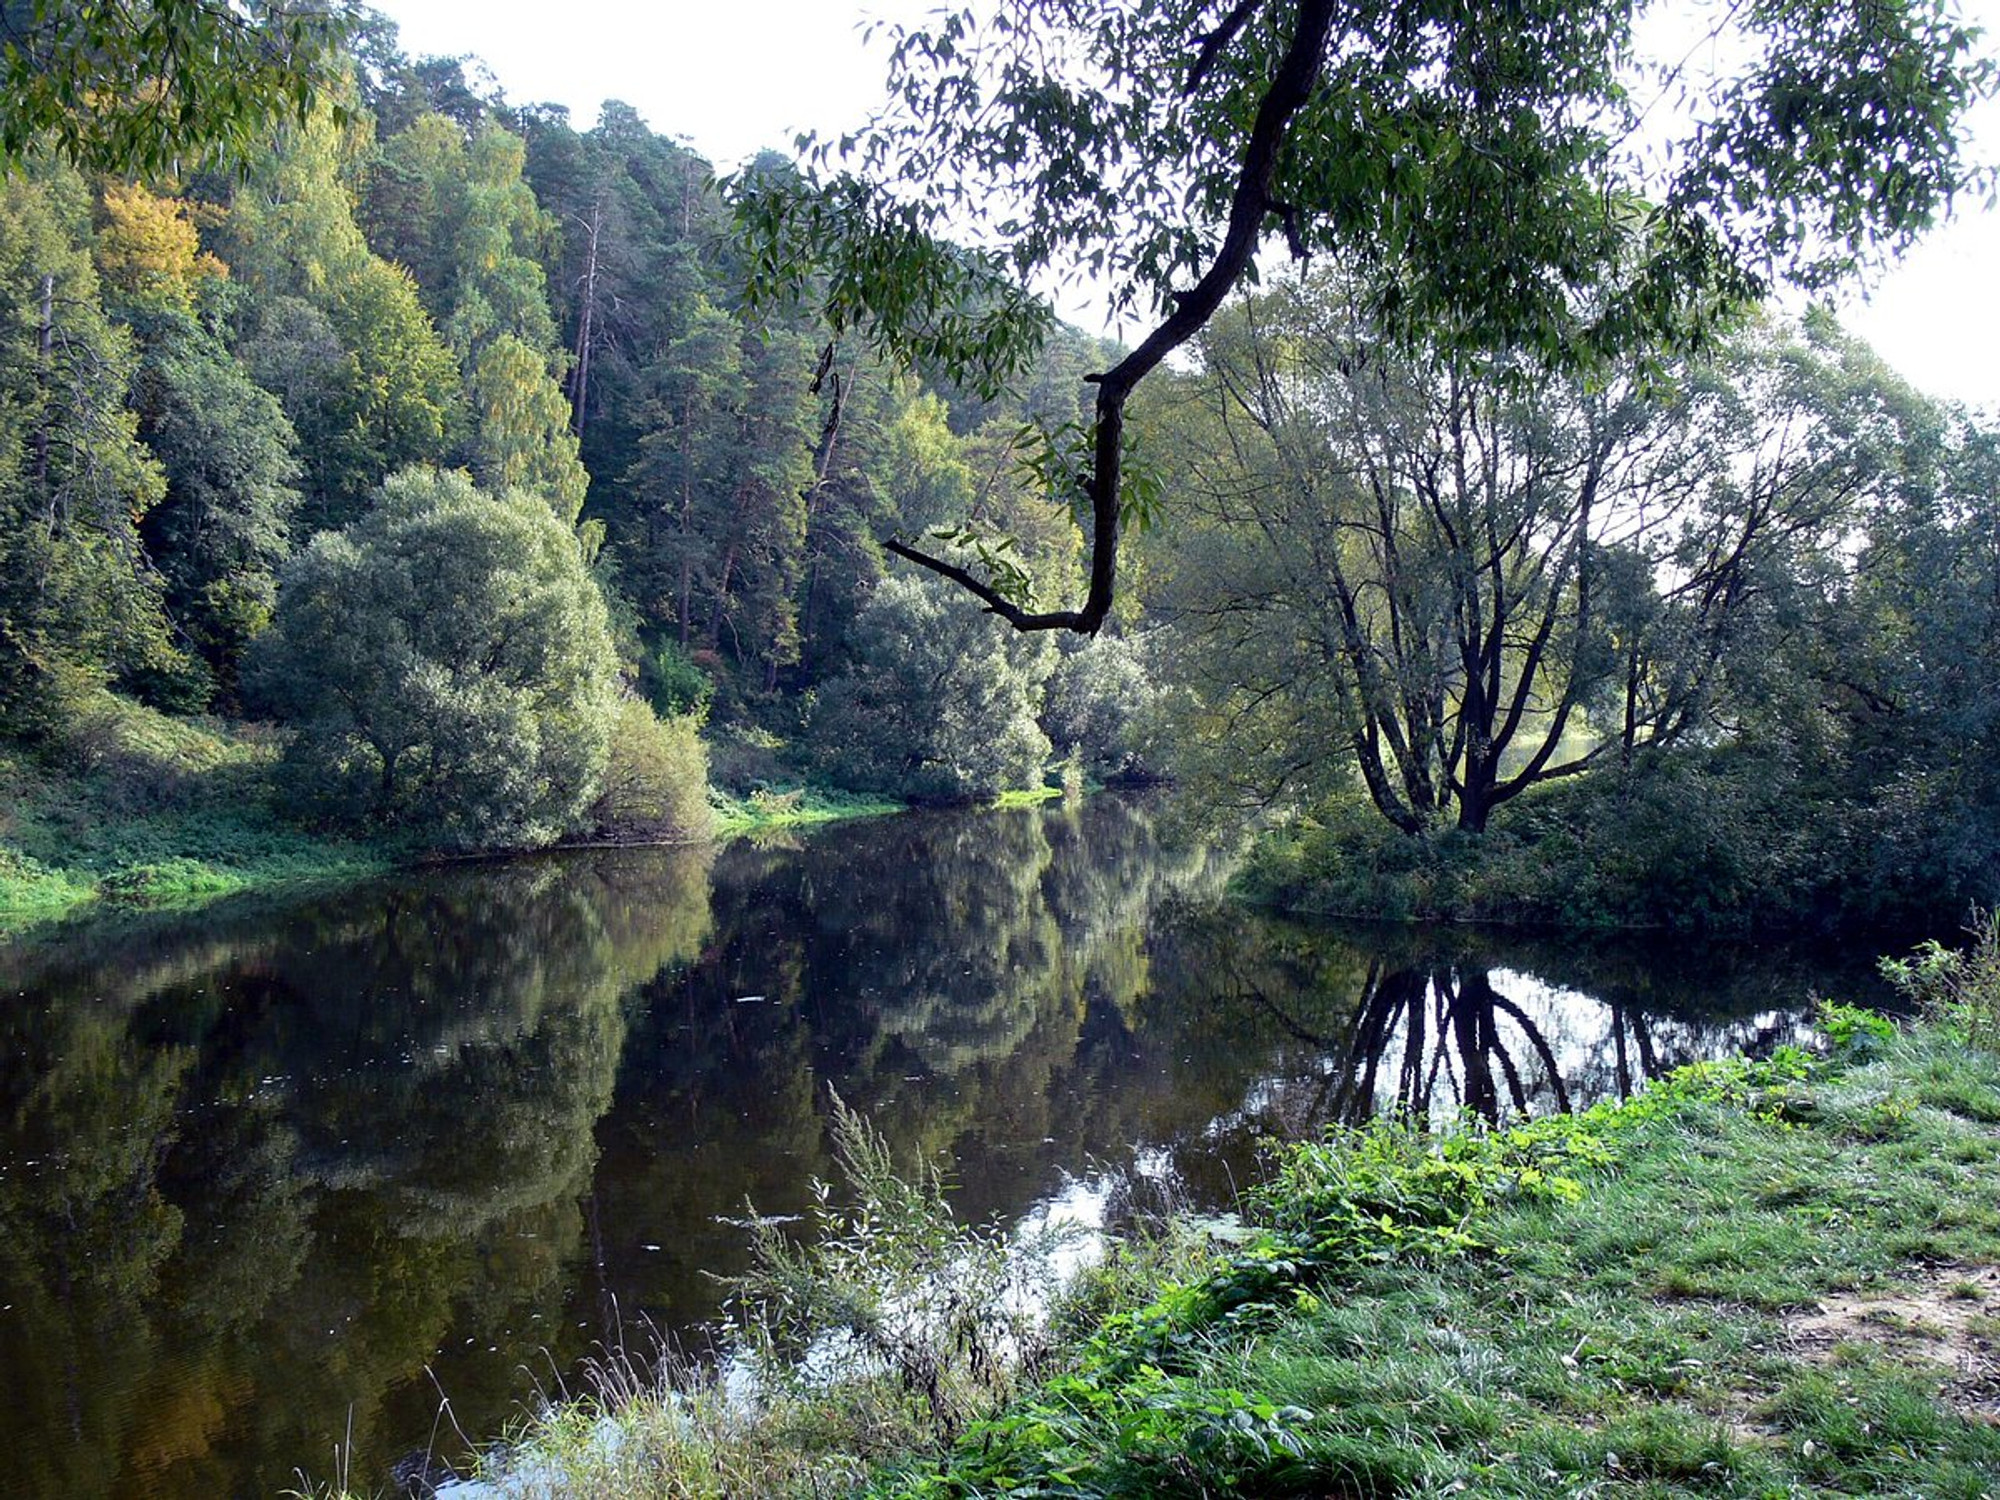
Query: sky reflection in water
<point>271,1174</point>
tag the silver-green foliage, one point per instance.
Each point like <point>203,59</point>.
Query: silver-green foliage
<point>1101,700</point>
<point>447,664</point>
<point>940,703</point>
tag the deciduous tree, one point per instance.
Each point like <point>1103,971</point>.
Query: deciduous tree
<point>447,665</point>
<point>1479,164</point>
<point>1462,586</point>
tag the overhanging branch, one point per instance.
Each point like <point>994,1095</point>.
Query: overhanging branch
<point>1250,204</point>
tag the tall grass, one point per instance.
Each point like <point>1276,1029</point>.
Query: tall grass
<point>1959,987</point>
<point>877,1330</point>
<point>889,1282</point>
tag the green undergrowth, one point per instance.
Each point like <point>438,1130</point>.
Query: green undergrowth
<point>1682,851</point>
<point>138,809</point>
<point>1602,1304</point>
<point>1615,1303</point>
<point>800,807</point>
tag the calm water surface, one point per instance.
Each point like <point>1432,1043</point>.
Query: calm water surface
<point>275,1179</point>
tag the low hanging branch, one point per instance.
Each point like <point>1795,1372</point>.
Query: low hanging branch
<point>1468,154</point>
<point>1251,204</point>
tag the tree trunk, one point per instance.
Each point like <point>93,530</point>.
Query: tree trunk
<point>45,336</point>
<point>586,323</point>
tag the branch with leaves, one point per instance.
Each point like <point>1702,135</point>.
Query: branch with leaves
<point>156,86</point>
<point>1470,161</point>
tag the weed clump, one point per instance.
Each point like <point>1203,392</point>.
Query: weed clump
<point>1959,987</point>
<point>888,1283</point>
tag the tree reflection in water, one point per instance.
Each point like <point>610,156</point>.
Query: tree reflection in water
<point>1380,1026</point>
<point>271,1175</point>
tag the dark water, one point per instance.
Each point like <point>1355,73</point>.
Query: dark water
<point>274,1177</point>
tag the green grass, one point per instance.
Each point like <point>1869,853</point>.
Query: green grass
<point>804,806</point>
<point>1610,1305</point>
<point>1033,796</point>
<point>1604,1307</point>
<point>139,809</point>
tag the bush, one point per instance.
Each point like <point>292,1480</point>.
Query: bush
<point>446,663</point>
<point>940,703</point>
<point>656,778</point>
<point>1099,698</point>
<point>1707,840</point>
<point>1960,987</point>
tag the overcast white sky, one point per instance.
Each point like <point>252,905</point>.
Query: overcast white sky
<point>735,76</point>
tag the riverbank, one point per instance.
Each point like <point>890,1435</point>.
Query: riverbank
<point>1579,860</point>
<point>801,807</point>
<point>141,809</point>
<point>1755,1279</point>
<point>147,810</point>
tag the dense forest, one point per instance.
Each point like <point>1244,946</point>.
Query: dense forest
<point>440,466</point>
<point>442,439</point>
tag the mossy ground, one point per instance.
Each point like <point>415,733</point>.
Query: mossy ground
<point>1757,1280</point>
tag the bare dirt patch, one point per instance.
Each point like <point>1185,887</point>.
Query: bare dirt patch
<point>1949,1318</point>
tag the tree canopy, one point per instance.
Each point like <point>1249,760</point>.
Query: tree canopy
<point>1497,172</point>
<point>1460,590</point>
<point>158,84</point>
<point>449,665</point>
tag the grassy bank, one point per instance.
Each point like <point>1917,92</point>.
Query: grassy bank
<point>1758,1279</point>
<point>803,807</point>
<point>141,809</point>
<point>136,808</point>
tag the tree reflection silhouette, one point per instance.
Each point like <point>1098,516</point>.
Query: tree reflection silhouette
<point>257,1165</point>
<point>269,1164</point>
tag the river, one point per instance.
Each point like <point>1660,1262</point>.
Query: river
<point>315,1185</point>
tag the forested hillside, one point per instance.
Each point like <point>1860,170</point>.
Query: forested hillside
<point>434,484</point>
<point>441,439</point>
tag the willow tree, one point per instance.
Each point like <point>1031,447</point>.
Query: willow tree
<point>1481,161</point>
<point>1460,584</point>
<point>447,664</point>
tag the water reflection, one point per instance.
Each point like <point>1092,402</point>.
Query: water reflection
<point>271,1178</point>
<point>256,1170</point>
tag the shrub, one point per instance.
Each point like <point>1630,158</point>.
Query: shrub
<point>940,703</point>
<point>656,778</point>
<point>1960,987</point>
<point>673,681</point>
<point>446,663</point>
<point>1099,698</point>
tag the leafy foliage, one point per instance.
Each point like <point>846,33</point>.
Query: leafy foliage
<point>74,478</point>
<point>940,702</point>
<point>447,663</point>
<point>1960,987</point>
<point>1103,706</point>
<point>655,784</point>
<point>153,86</point>
<point>222,530</point>
<point>1471,164</point>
